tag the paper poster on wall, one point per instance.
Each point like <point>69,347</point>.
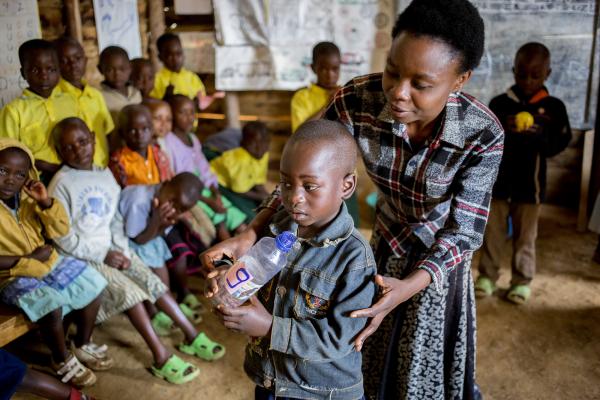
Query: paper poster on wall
<point>19,22</point>
<point>193,7</point>
<point>117,25</point>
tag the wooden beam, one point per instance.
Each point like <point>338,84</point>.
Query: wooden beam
<point>156,20</point>
<point>74,20</point>
<point>586,172</point>
<point>13,323</point>
<point>246,118</point>
<point>232,110</point>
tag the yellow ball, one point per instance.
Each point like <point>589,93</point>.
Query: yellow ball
<point>523,121</point>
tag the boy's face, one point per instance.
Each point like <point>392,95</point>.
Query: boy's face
<point>72,62</point>
<point>162,120</point>
<point>171,55</point>
<point>181,203</point>
<point>76,147</point>
<point>40,70</point>
<point>256,144</point>
<point>116,70</point>
<point>531,71</point>
<point>137,133</point>
<point>312,187</point>
<point>14,169</point>
<point>143,79</point>
<point>327,69</point>
<point>183,115</point>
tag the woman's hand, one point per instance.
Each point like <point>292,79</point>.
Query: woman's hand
<point>233,248</point>
<point>212,280</point>
<point>37,191</point>
<point>252,319</point>
<point>394,292</point>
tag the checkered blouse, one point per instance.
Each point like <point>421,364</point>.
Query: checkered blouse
<point>439,193</point>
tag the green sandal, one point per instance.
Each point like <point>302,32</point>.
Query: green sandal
<point>162,324</point>
<point>519,294</point>
<point>484,287</point>
<point>192,302</point>
<point>174,371</point>
<point>203,348</point>
<point>193,315</point>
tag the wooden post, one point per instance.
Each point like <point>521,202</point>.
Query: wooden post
<point>156,20</point>
<point>586,170</point>
<point>74,20</point>
<point>232,110</point>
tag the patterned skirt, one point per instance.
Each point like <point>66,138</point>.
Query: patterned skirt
<point>425,348</point>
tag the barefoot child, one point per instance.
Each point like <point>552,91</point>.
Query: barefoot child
<point>303,334</point>
<point>33,277</point>
<point>91,198</point>
<point>142,76</point>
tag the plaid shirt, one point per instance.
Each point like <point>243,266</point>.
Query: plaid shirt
<point>439,193</point>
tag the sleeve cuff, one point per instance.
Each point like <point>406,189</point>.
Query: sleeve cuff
<point>273,201</point>
<point>280,334</point>
<point>438,274</point>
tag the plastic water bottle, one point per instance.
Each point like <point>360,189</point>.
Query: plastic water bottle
<point>250,272</point>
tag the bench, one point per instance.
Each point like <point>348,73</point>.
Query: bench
<point>13,324</point>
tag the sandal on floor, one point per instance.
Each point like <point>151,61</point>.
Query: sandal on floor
<point>203,348</point>
<point>191,314</point>
<point>74,372</point>
<point>484,287</point>
<point>519,294</point>
<point>92,356</point>
<point>162,324</point>
<point>192,302</point>
<point>174,371</point>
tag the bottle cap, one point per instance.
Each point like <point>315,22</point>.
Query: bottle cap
<point>285,240</point>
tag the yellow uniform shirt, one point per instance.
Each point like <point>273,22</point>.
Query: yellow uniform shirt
<point>93,110</point>
<point>306,102</point>
<point>238,171</point>
<point>30,119</point>
<point>184,82</point>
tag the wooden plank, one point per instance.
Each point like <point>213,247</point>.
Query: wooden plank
<point>13,323</point>
<point>586,171</point>
<point>74,19</point>
<point>246,118</point>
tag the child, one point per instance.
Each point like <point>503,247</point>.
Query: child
<point>521,184</point>
<point>300,318</point>
<point>115,66</point>
<point>242,172</point>
<point>186,155</point>
<point>173,78</point>
<point>91,197</point>
<point>142,76</point>
<point>33,277</point>
<point>162,123</point>
<point>310,103</point>
<point>92,107</point>
<point>30,118</point>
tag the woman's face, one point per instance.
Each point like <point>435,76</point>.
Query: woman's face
<point>420,74</point>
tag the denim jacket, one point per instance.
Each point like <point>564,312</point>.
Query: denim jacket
<point>310,354</point>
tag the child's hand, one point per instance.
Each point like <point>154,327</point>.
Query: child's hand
<point>218,95</point>
<point>163,215</point>
<point>117,260</point>
<point>37,191</point>
<point>42,253</point>
<point>253,320</point>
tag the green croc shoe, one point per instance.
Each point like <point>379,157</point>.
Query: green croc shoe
<point>176,371</point>
<point>191,314</point>
<point>484,287</point>
<point>162,324</point>
<point>519,294</point>
<point>192,302</point>
<point>204,348</point>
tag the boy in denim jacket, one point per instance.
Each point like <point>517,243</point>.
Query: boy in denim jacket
<point>299,321</point>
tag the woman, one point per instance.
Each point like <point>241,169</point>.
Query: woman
<point>433,153</point>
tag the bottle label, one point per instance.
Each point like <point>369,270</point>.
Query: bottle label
<point>239,282</point>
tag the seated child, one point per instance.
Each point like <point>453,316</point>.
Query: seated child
<point>34,278</point>
<point>142,76</point>
<point>242,172</point>
<point>149,213</point>
<point>162,123</point>
<point>300,319</point>
<point>92,107</point>
<point>227,139</point>
<point>117,91</point>
<point>173,78</point>
<point>31,117</point>
<point>186,155</point>
<point>91,198</point>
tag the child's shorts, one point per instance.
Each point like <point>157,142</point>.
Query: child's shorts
<point>127,287</point>
<point>232,217</point>
<point>184,244</point>
<point>154,253</point>
<point>71,285</point>
<point>12,373</point>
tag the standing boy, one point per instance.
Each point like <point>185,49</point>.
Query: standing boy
<point>537,127</point>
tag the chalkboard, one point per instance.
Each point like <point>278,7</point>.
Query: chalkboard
<point>566,27</point>
<point>19,22</point>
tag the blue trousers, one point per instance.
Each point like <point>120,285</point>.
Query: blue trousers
<point>261,393</point>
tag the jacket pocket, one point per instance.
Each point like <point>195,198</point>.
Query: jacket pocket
<point>314,295</point>
<point>33,137</point>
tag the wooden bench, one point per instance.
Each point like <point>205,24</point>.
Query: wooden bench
<point>13,323</point>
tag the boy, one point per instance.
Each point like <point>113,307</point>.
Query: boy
<point>309,103</point>
<point>92,107</point>
<point>31,117</point>
<point>142,76</point>
<point>303,337</point>
<point>242,171</point>
<point>173,78</point>
<point>115,66</point>
<point>521,184</point>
